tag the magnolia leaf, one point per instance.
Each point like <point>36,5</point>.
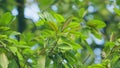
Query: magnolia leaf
<point>96,24</point>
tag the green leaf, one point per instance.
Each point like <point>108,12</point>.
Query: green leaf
<point>58,17</point>
<point>6,18</point>
<point>15,33</point>
<point>117,11</point>
<point>96,66</point>
<point>65,47</point>
<point>4,28</point>
<point>41,61</point>
<point>53,26</point>
<point>40,22</point>
<point>96,33</point>
<point>3,60</point>
<point>71,43</point>
<point>110,44</point>
<point>13,49</point>
<point>44,4</point>
<point>96,24</point>
<point>3,36</point>
<point>82,12</point>
<point>12,64</point>
<point>67,22</point>
<point>72,27</point>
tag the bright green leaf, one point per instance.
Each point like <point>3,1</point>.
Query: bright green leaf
<point>53,26</point>
<point>6,18</point>
<point>96,66</point>
<point>65,47</point>
<point>96,24</point>
<point>67,22</point>
<point>58,17</point>
<point>117,11</point>
<point>82,12</point>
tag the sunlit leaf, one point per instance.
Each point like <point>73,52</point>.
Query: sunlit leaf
<point>96,66</point>
<point>58,17</point>
<point>53,26</point>
<point>6,18</point>
<point>71,43</point>
<point>41,61</point>
<point>44,4</point>
<point>67,22</point>
<point>65,47</point>
<point>3,60</point>
<point>96,24</point>
<point>82,12</point>
<point>117,11</point>
<point>96,33</point>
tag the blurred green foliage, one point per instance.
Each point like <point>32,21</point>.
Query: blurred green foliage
<point>58,38</point>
